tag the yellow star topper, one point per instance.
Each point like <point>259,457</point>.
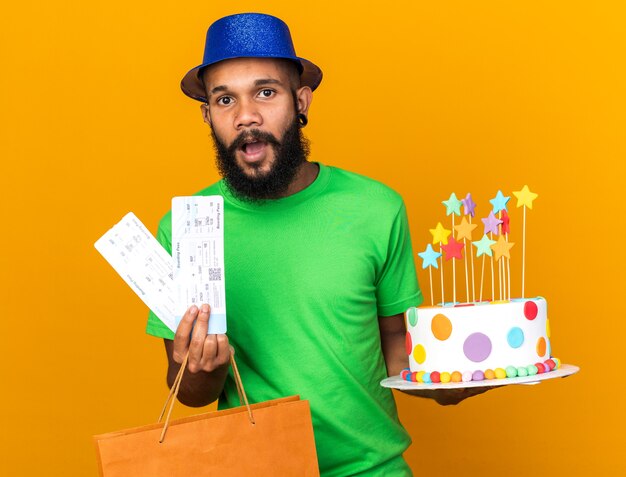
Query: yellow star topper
<point>440,235</point>
<point>525,197</point>
<point>464,230</point>
<point>502,247</point>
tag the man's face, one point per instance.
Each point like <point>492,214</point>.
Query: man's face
<point>252,107</point>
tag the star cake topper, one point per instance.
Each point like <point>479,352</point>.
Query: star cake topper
<point>453,205</point>
<point>469,205</point>
<point>491,223</point>
<point>502,247</point>
<point>483,246</point>
<point>525,197</point>
<point>505,227</point>
<point>464,230</point>
<point>453,249</point>
<point>440,235</point>
<point>499,202</point>
<point>429,257</point>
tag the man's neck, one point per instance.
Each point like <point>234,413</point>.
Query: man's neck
<point>307,173</point>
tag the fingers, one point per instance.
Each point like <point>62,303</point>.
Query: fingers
<point>198,337</point>
<point>181,339</point>
<point>475,391</point>
<point>447,397</point>
<point>224,349</point>
<point>216,352</point>
<point>206,352</point>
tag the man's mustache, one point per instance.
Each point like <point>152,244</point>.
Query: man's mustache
<point>246,136</point>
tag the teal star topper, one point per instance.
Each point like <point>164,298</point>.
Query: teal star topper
<point>429,257</point>
<point>453,205</point>
<point>483,246</point>
<point>499,202</point>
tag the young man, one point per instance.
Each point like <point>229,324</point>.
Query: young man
<point>318,260</point>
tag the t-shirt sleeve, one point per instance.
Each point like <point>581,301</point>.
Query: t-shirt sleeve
<point>155,326</point>
<point>397,288</point>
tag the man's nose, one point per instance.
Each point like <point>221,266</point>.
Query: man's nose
<point>248,115</point>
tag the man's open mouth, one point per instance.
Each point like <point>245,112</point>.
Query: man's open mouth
<point>253,147</point>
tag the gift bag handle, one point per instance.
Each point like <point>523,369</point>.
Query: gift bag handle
<point>176,385</point>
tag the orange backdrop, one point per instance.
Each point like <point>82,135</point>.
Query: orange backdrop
<point>428,97</point>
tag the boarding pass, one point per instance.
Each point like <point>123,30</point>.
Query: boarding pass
<point>193,275</point>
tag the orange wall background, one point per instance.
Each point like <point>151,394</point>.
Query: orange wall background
<point>428,97</point>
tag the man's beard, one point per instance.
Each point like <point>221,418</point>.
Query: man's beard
<point>289,154</point>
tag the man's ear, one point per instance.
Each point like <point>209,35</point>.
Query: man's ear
<point>206,114</point>
<point>304,96</point>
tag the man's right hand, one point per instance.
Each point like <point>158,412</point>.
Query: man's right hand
<point>208,362</point>
<point>206,352</point>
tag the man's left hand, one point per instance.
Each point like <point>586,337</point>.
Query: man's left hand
<point>449,397</point>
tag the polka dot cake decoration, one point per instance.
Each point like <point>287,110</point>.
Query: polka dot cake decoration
<point>477,347</point>
<point>441,327</point>
<point>515,337</point>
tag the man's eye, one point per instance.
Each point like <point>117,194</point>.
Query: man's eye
<point>224,100</point>
<point>266,93</point>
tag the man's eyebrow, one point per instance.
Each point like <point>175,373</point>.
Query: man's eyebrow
<point>217,89</point>
<point>264,81</point>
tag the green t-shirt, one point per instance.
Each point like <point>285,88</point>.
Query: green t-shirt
<point>306,278</point>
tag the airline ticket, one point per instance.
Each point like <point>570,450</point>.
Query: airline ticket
<point>198,256</point>
<point>144,265</point>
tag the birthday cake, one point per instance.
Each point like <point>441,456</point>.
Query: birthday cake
<point>474,340</point>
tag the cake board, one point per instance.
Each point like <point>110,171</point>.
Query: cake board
<point>397,382</point>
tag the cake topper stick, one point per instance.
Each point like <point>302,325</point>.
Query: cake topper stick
<point>500,279</point>
<point>524,198</point>
<point>472,266</point>
<point>459,235</point>
<point>453,274</point>
<point>505,282</point>
<point>464,231</point>
<point>499,204</point>
<point>453,251</point>
<point>467,297</point>
<point>523,251</point>
<point>482,276</point>
<point>432,298</point>
<point>506,230</point>
<point>443,300</point>
<point>429,257</point>
<point>500,265</point>
<point>469,207</point>
<point>453,207</point>
<point>502,249</point>
<point>440,236</point>
<point>492,277</point>
<point>508,274</point>
<point>491,226</point>
<point>483,247</point>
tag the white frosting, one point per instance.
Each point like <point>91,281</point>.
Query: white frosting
<point>492,320</point>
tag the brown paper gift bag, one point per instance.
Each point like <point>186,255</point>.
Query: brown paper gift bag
<point>272,438</point>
